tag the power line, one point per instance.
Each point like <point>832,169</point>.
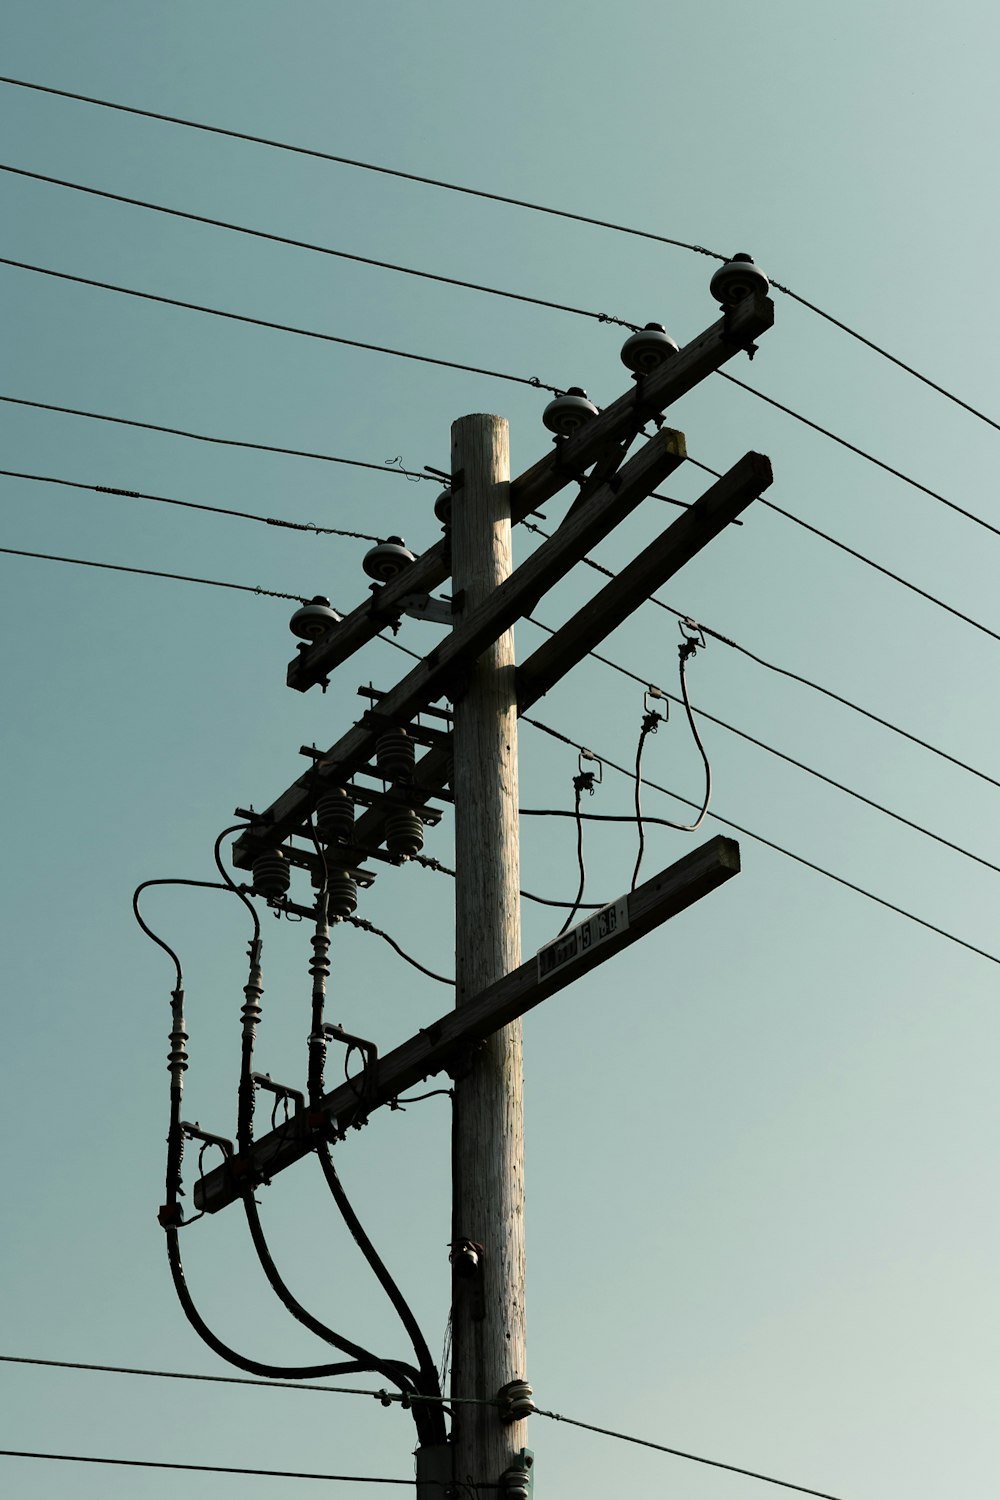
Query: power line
<point>862,558</point>
<point>306,333</point>
<point>288,1385</point>
<point>861,452</point>
<point>149,1463</point>
<point>532,381</point>
<point>201,437</point>
<point>367,926</point>
<point>790,760</point>
<point>770,666</point>
<point>283,239</point>
<point>453,187</point>
<point>218,510</point>
<point>216,583</point>
<point>770,844</point>
<point>694,1458</point>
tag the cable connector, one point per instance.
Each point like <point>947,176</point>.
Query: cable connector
<point>585,781</point>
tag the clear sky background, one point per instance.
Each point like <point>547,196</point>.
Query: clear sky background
<point>761,1144</point>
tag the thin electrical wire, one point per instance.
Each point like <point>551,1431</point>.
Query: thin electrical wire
<point>790,760</point>
<point>287,1385</point>
<point>768,844</point>
<point>367,926</point>
<point>217,510</point>
<point>650,723</point>
<point>861,452</point>
<point>482,193</point>
<point>216,583</point>
<point>283,239</point>
<point>202,437</point>
<point>306,333</point>
<point>695,1458</point>
<point>770,666</point>
<point>861,557</point>
<point>149,1463</point>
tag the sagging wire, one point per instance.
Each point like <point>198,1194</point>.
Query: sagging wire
<point>694,637</point>
<point>583,781</point>
<point>366,926</point>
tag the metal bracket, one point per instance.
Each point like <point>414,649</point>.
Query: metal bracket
<point>423,607</point>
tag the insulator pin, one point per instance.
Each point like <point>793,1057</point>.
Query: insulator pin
<point>395,755</point>
<point>271,875</point>
<point>335,817</point>
<point>341,895</point>
<point>404,833</point>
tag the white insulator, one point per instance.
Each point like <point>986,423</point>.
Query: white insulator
<point>404,833</point>
<point>569,412</point>
<point>443,506</point>
<point>271,875</point>
<point>395,754</point>
<point>335,817</point>
<point>314,619</point>
<point>516,1401</point>
<point>646,350</point>
<point>388,559</point>
<point>738,279</point>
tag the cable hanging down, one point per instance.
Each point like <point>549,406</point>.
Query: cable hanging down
<point>484,194</point>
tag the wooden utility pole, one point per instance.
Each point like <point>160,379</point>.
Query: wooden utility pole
<point>488,1314</point>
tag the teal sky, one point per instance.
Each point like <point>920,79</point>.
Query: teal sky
<point>761,1144</point>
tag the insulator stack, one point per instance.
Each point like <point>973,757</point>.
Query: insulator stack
<point>335,817</point>
<point>271,875</point>
<point>404,833</point>
<point>341,895</point>
<point>395,755</point>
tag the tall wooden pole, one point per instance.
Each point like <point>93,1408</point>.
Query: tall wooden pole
<point>488,1332</point>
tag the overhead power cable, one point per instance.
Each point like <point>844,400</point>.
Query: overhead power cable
<point>306,333</point>
<point>436,865</point>
<point>695,1458</point>
<point>861,557</point>
<point>790,760</point>
<point>770,666</point>
<point>217,510</point>
<point>861,452</point>
<point>367,926</point>
<point>215,583</point>
<point>284,239</point>
<point>201,437</point>
<point>482,193</point>
<point>768,843</point>
<point>150,1463</point>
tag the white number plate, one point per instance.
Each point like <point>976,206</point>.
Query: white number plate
<point>583,937</point>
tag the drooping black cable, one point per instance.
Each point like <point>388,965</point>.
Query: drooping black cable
<point>579,782</point>
<point>429,1419</point>
<point>203,437</point>
<point>307,333</point>
<point>650,723</point>
<point>215,510</point>
<point>366,926</point>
